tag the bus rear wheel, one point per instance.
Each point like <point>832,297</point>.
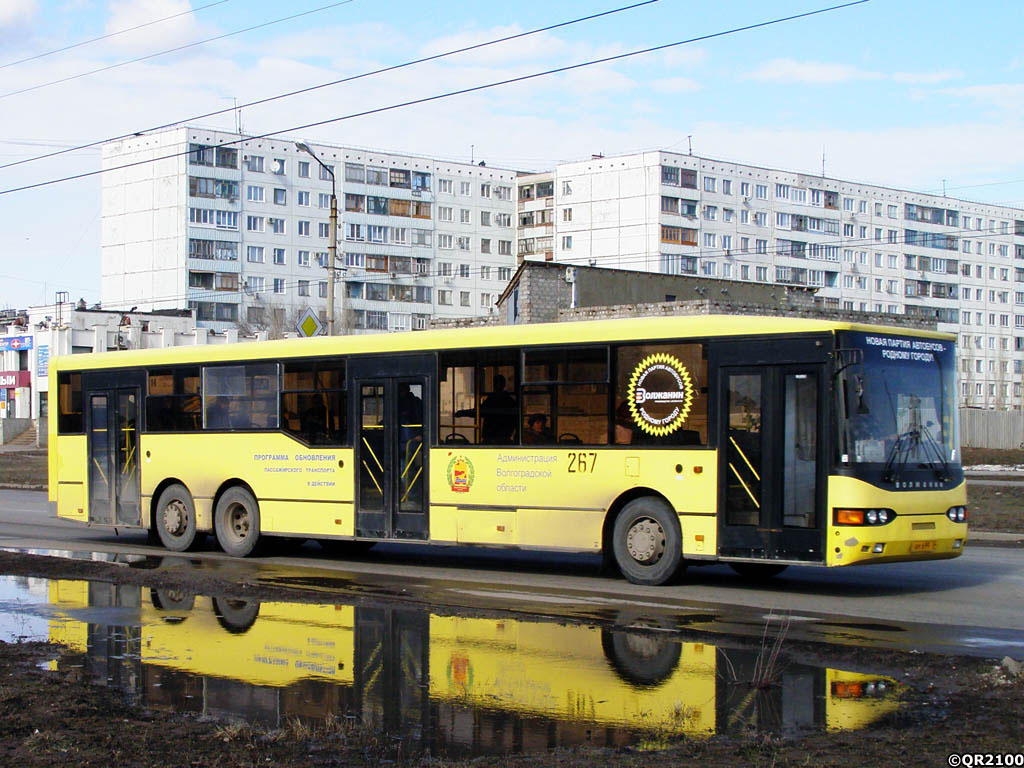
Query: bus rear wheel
<point>236,521</point>
<point>175,519</point>
<point>647,542</point>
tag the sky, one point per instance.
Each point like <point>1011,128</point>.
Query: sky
<point>904,93</point>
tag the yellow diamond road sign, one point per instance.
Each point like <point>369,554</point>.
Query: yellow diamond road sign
<point>309,324</point>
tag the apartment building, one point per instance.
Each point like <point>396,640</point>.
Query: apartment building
<point>862,247</point>
<point>238,230</point>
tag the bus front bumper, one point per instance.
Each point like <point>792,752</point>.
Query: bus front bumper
<point>907,538</point>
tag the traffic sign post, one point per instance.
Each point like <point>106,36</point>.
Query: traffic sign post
<point>309,324</point>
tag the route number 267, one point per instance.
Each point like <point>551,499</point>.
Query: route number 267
<point>582,462</point>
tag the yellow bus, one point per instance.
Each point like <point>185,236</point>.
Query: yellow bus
<point>415,670</point>
<point>762,442</point>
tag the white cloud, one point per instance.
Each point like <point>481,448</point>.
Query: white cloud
<point>14,13</point>
<point>674,85</point>
<point>126,14</point>
<point>822,73</point>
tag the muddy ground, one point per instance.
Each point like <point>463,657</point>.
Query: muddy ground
<point>949,704</point>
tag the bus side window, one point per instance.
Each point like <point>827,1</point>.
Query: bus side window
<point>565,396</point>
<point>661,394</point>
<point>69,403</point>
<point>478,402</point>
<point>241,396</point>
<point>313,401</point>
<point>172,400</point>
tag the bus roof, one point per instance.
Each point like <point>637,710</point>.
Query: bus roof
<point>538,334</point>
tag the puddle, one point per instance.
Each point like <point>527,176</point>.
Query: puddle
<point>442,684</point>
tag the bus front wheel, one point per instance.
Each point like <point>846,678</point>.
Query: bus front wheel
<point>236,521</point>
<point>647,542</point>
<point>175,521</point>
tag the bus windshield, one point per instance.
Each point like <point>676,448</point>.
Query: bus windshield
<point>897,409</point>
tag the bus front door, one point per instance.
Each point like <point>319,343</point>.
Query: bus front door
<point>113,429</point>
<point>772,480</point>
<point>391,404</point>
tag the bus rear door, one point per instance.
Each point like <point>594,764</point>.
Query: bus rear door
<point>771,409</point>
<point>112,404</point>
<point>392,398</point>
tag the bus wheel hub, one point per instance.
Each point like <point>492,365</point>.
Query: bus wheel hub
<point>645,541</point>
<point>239,518</point>
<point>175,518</point>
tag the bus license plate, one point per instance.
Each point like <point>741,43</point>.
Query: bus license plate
<point>922,546</point>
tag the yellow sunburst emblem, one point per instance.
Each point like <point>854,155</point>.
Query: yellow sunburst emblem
<point>660,394</point>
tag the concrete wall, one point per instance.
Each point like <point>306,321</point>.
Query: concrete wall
<point>991,429</point>
<point>11,428</point>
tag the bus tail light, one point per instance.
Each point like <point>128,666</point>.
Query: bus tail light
<point>875,516</point>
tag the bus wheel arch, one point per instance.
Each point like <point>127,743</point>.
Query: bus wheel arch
<point>643,536</point>
<point>173,516</point>
<point>236,518</point>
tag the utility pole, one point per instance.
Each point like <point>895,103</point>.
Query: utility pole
<point>332,246</point>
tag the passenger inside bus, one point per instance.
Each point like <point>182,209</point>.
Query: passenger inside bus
<point>537,432</point>
<point>498,414</point>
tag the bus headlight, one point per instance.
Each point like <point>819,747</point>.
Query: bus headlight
<point>874,516</point>
<point>957,514</point>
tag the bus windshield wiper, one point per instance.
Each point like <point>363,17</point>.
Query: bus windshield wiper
<point>917,439</point>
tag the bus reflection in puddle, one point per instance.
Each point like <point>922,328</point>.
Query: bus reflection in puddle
<point>444,684</point>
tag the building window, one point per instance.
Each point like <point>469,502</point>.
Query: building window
<point>254,224</point>
<point>277,226</point>
<point>326,172</point>
<point>303,288</point>
<point>445,186</point>
<point>304,228</point>
<point>280,196</point>
<point>254,163</point>
<point>303,258</point>
<point>254,193</point>
<point>254,253</point>
<point>709,183</point>
<point>279,256</point>
<point>566,242</point>
<point>464,298</point>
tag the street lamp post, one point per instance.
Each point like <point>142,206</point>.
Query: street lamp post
<point>332,247</point>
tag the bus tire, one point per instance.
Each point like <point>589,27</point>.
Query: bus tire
<point>642,660</point>
<point>758,570</point>
<point>647,542</point>
<point>175,518</point>
<point>236,616</point>
<point>236,521</point>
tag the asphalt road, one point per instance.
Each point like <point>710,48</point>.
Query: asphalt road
<point>974,604</point>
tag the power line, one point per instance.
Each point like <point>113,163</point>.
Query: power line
<point>175,50</point>
<point>449,94</point>
<point>111,34</point>
<point>342,80</point>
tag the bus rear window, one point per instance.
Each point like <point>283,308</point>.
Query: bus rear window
<point>69,397</point>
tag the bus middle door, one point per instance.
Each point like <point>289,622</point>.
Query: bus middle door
<point>392,406</point>
<point>772,480</point>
